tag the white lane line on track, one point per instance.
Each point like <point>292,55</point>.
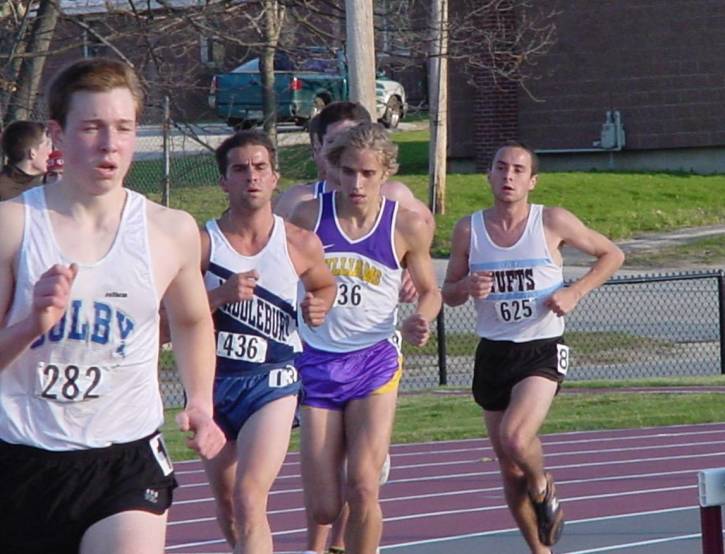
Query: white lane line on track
<point>471,510</point>
<point>618,547</point>
<point>515,529</point>
<point>547,446</point>
<point>479,474</point>
<point>663,432</point>
<point>470,491</point>
<point>419,515</point>
<point>496,472</point>
<point>477,460</point>
<point>563,466</point>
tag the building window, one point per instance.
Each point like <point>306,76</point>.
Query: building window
<point>211,51</point>
<point>92,45</point>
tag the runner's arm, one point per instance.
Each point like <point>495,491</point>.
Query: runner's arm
<point>309,260</point>
<point>567,228</point>
<point>418,237</point>
<point>192,333</point>
<point>50,294</point>
<point>455,286</point>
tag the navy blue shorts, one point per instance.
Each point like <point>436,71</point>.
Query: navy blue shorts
<point>238,396</point>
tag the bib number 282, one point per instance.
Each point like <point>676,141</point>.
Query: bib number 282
<point>69,382</point>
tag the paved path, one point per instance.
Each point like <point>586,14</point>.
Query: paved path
<point>576,263</point>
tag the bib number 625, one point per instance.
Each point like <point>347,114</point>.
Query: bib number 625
<point>510,311</point>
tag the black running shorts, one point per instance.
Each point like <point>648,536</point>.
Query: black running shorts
<point>500,365</point>
<point>49,499</point>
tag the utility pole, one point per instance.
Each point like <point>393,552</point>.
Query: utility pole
<point>438,106</point>
<point>360,50</point>
<point>273,18</point>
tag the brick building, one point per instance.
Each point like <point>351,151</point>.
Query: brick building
<point>659,65</point>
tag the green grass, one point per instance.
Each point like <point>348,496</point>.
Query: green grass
<point>590,347</point>
<point>620,205</point>
<point>447,414</point>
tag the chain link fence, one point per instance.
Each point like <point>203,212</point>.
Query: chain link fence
<point>174,164</point>
<point>631,327</point>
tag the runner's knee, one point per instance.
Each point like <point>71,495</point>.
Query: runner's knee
<point>325,513</point>
<point>516,444</point>
<point>250,500</point>
<point>362,492</point>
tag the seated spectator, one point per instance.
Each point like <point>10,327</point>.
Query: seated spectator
<point>26,146</point>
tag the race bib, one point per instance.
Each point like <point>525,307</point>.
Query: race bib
<point>513,311</point>
<point>158,448</point>
<point>562,358</point>
<point>350,296</point>
<point>70,382</point>
<point>237,346</point>
<point>282,377</point>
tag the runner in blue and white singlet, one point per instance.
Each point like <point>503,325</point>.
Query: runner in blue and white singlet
<point>256,337</point>
<point>264,329</point>
<point>363,318</point>
<point>507,259</point>
<point>84,265</point>
<point>93,376</point>
<point>524,276</point>
<point>81,406</point>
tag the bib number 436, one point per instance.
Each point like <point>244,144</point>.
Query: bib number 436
<point>237,346</point>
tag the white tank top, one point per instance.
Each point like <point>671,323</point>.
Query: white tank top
<point>368,276</point>
<point>91,380</point>
<point>259,333</point>
<point>525,275</point>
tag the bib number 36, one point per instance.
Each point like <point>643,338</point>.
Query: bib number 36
<point>68,382</point>
<point>349,296</point>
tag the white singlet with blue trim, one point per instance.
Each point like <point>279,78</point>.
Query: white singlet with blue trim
<point>260,332</point>
<point>91,380</point>
<point>368,276</point>
<point>524,276</point>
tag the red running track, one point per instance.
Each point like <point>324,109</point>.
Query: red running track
<point>447,490</point>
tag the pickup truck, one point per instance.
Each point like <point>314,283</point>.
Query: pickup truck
<point>302,90</point>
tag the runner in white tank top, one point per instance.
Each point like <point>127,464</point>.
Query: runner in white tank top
<point>83,264</point>
<point>507,259</point>
<point>524,276</point>
<point>252,263</point>
<point>91,380</point>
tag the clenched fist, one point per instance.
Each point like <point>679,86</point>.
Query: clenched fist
<point>313,310</point>
<point>415,330</point>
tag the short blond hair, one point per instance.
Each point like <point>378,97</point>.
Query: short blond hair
<point>94,75</point>
<point>366,136</point>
